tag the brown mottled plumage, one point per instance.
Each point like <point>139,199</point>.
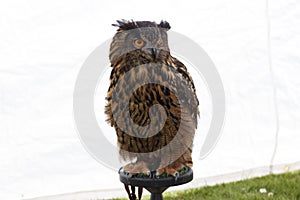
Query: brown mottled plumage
<point>136,44</point>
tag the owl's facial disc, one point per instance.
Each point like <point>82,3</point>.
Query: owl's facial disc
<point>155,40</point>
<point>151,48</point>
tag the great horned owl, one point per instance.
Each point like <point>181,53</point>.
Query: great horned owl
<point>145,43</point>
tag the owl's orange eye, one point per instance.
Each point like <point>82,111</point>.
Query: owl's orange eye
<point>139,42</point>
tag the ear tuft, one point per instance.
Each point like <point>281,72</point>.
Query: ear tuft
<point>128,25</point>
<point>120,23</point>
<point>164,24</point>
<point>125,24</point>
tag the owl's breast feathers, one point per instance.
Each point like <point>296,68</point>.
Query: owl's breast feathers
<point>177,96</point>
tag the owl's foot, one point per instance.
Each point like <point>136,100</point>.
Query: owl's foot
<point>172,169</point>
<point>137,168</point>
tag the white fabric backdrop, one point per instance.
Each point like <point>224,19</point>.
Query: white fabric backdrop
<point>43,45</point>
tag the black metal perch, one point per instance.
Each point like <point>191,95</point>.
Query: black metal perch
<point>156,186</point>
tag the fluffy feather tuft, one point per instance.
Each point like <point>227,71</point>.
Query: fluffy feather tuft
<point>128,25</point>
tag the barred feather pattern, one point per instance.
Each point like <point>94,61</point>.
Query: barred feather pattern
<point>179,113</point>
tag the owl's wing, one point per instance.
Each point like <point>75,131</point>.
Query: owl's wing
<point>187,88</point>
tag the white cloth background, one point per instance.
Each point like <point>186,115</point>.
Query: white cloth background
<point>44,43</point>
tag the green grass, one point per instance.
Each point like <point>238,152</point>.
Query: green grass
<point>283,187</point>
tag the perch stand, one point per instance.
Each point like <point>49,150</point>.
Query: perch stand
<point>156,186</point>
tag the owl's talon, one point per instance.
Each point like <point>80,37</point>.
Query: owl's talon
<point>176,175</point>
<point>139,167</point>
<point>156,175</point>
<point>121,170</point>
<point>148,173</point>
<point>129,175</point>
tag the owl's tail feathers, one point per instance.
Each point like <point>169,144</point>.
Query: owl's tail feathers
<point>131,194</point>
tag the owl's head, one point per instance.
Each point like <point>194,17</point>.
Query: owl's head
<point>140,39</point>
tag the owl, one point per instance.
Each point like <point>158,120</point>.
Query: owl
<point>144,75</point>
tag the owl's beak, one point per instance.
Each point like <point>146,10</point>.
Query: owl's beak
<point>154,52</point>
